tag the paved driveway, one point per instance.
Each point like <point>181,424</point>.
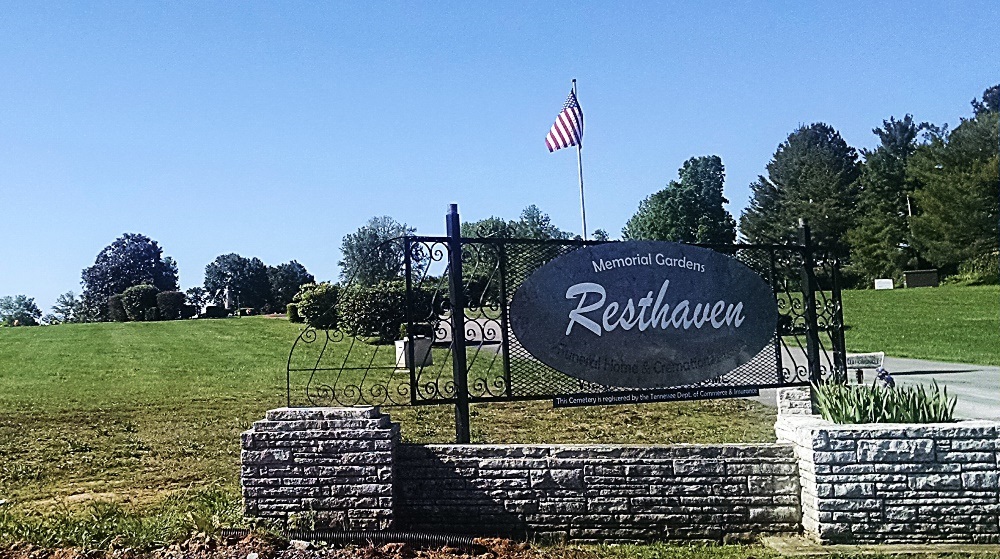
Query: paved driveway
<point>977,387</point>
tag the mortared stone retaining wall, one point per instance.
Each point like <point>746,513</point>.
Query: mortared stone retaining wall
<point>344,468</point>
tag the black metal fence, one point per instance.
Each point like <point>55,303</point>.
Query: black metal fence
<point>464,285</point>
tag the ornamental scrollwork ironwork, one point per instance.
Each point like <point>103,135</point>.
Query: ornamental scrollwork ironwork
<point>333,368</point>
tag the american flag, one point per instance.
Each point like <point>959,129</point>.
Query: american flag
<point>568,128</point>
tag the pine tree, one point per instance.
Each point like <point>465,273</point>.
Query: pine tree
<point>957,197</point>
<point>813,176</point>
<point>881,245</point>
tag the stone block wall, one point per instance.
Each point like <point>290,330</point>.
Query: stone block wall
<point>330,466</point>
<point>794,401</point>
<point>886,483</point>
<point>594,493</point>
<point>344,469</point>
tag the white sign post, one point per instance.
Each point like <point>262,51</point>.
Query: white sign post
<point>865,360</point>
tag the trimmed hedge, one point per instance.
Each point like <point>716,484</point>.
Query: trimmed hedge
<point>292,312</point>
<point>116,310</point>
<point>378,311</point>
<point>137,299</point>
<point>316,303</point>
<point>170,304</point>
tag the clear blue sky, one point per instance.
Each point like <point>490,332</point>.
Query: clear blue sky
<point>272,129</point>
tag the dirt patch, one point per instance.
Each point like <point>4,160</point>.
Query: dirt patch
<point>130,497</point>
<point>265,547</point>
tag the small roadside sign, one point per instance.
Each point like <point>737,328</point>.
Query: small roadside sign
<point>865,360</point>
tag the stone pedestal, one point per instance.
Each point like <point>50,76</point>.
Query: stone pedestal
<point>325,467</point>
<point>895,483</point>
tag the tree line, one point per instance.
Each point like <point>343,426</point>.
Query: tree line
<point>131,279</point>
<point>925,197</point>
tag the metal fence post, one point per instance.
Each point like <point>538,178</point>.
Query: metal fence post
<point>408,346</point>
<point>504,318</point>
<point>779,372</point>
<point>839,345</point>
<point>809,302</point>
<point>457,296</point>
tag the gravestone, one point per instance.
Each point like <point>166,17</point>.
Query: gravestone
<point>920,278</point>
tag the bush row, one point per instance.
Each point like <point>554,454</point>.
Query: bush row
<point>145,303</point>
<point>377,311</point>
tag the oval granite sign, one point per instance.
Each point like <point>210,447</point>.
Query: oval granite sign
<point>644,314</point>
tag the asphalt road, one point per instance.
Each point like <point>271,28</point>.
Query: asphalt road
<point>977,387</point>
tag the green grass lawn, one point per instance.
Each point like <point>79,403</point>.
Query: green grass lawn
<point>148,415</point>
<point>947,323</point>
<point>138,411</point>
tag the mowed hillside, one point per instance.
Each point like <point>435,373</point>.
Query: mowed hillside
<point>141,410</point>
<point>948,323</point>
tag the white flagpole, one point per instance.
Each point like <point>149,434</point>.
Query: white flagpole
<point>579,167</point>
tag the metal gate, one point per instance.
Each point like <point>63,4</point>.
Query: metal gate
<point>455,284</point>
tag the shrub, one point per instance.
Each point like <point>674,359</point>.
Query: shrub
<point>152,314</point>
<point>481,289</point>
<point>981,270</point>
<point>116,310</point>
<point>316,303</point>
<point>187,311</point>
<point>170,304</point>
<point>874,404</point>
<point>137,299</point>
<point>292,311</point>
<point>379,310</point>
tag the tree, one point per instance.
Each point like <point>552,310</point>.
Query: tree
<point>87,311</point>
<point>244,279</point>
<point>285,280</point>
<point>957,197</point>
<point>533,223</point>
<point>19,311</point>
<point>600,235</point>
<point>132,259</point>
<point>317,305</point>
<point>197,297</point>
<point>881,244</point>
<point>990,102</point>
<point>812,175</point>
<point>690,210</point>
<point>170,305</point>
<point>495,227</point>
<point>373,253</point>
<point>481,269</point>
<point>67,308</point>
<point>536,224</point>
